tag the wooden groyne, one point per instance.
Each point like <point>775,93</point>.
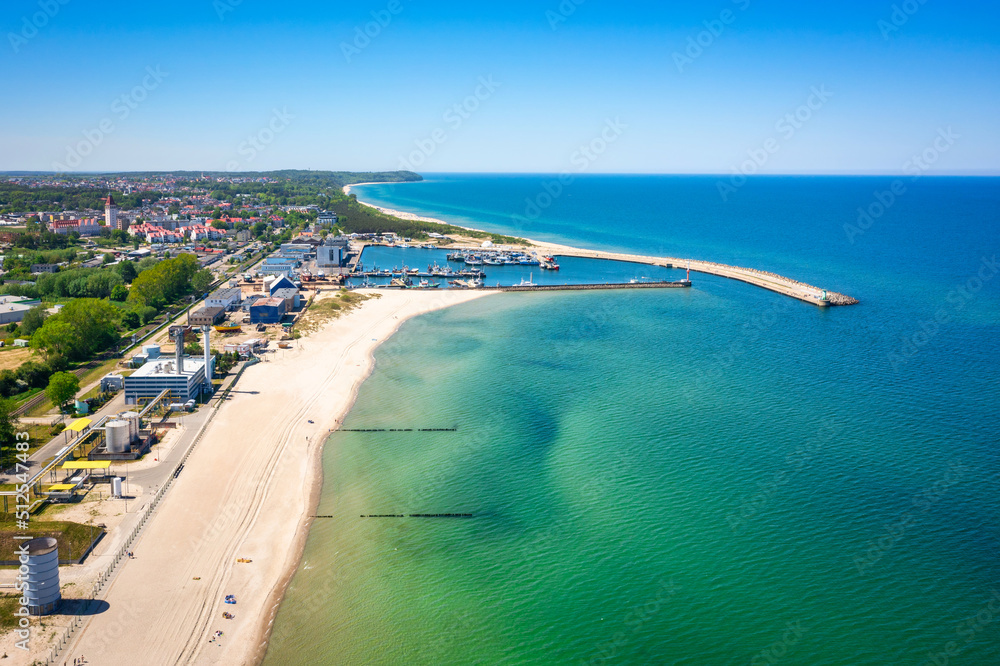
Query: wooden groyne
<point>681,284</point>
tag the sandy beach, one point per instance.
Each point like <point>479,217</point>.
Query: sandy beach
<point>246,493</point>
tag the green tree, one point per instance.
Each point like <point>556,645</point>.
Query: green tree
<point>131,320</point>
<point>127,270</point>
<point>56,337</point>
<point>84,326</point>
<point>119,293</point>
<point>62,388</point>
<point>202,280</point>
<point>33,320</point>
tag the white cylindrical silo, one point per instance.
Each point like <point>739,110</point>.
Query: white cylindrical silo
<point>132,418</point>
<point>116,486</point>
<point>42,589</point>
<point>117,436</point>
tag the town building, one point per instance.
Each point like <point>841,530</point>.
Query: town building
<point>44,268</point>
<point>84,227</point>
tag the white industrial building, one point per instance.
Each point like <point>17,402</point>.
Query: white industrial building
<point>184,376</point>
<point>185,382</point>
<point>224,298</point>
<point>13,308</point>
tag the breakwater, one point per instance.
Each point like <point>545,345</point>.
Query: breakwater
<point>680,284</point>
<point>771,281</point>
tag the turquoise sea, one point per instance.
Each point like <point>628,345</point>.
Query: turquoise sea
<point>718,475</point>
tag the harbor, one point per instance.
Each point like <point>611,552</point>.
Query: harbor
<point>506,269</point>
<point>551,267</point>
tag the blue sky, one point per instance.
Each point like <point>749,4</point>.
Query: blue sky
<point>256,85</point>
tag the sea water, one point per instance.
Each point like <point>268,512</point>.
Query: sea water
<point>719,475</point>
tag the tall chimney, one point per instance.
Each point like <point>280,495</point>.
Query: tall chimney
<point>179,349</point>
<point>208,357</point>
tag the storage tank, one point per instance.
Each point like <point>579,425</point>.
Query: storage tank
<point>117,436</point>
<point>42,589</point>
<point>133,424</point>
<point>151,351</point>
<point>116,486</point>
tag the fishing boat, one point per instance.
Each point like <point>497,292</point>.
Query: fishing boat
<point>527,283</point>
<point>228,328</point>
<point>549,266</point>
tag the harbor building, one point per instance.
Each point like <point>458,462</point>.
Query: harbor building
<point>267,311</point>
<point>289,296</point>
<point>224,298</point>
<point>207,316</point>
<point>280,283</point>
<point>278,266</point>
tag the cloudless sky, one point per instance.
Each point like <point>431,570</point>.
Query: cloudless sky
<point>564,71</point>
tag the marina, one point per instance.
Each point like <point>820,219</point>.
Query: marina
<point>384,267</point>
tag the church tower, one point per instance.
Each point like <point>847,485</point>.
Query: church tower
<point>111,213</point>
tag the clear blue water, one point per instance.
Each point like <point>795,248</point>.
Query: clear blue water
<point>718,475</point>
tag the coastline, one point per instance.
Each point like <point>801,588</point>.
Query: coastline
<point>259,468</point>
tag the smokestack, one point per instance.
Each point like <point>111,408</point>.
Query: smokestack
<point>179,349</point>
<point>208,357</point>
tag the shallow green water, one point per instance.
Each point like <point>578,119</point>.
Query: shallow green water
<point>645,494</point>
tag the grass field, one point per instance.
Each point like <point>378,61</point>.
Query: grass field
<point>11,358</point>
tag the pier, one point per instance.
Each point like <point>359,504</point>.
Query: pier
<point>770,281</point>
<point>679,284</point>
